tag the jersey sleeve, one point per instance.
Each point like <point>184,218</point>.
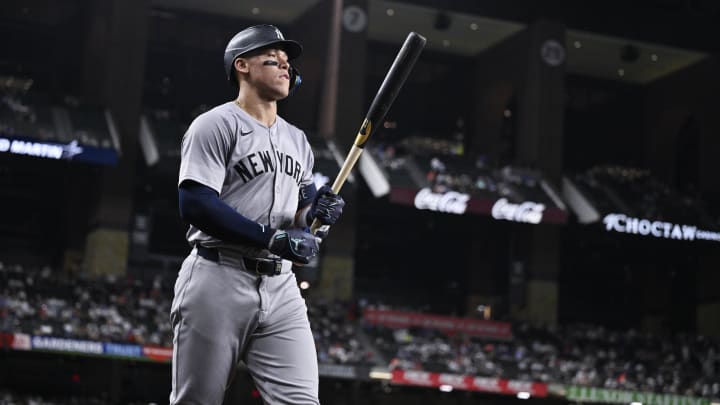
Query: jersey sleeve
<point>307,190</point>
<point>205,150</point>
<point>307,177</point>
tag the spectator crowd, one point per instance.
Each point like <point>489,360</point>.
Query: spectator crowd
<point>39,301</point>
<point>578,354</point>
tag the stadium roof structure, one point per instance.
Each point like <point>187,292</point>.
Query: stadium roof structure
<point>635,42</point>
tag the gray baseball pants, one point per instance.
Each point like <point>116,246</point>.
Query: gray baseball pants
<point>221,315</point>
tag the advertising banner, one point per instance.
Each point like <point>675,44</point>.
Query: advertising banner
<point>447,324</point>
<point>590,394</point>
<point>658,229</point>
<point>6,340</point>
<point>453,202</point>
<point>343,371</point>
<point>72,151</point>
<point>122,349</point>
<point>468,383</point>
<point>66,345</point>
<point>157,353</point>
<point>21,341</point>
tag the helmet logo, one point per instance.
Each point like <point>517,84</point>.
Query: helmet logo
<point>279,34</point>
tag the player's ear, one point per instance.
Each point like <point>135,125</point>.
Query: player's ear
<point>241,65</point>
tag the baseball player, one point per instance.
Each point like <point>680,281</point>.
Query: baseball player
<point>245,187</point>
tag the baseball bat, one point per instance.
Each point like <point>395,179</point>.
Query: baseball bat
<point>394,80</point>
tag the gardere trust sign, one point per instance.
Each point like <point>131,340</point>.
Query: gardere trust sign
<point>659,229</point>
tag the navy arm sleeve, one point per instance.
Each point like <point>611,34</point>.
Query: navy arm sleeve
<point>306,195</point>
<point>305,199</point>
<point>201,207</point>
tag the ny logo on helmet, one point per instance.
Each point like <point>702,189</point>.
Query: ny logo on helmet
<point>279,34</point>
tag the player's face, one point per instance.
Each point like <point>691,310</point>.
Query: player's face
<point>269,70</point>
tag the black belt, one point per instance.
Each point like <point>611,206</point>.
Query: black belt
<point>258,266</point>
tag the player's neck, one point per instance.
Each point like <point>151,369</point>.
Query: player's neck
<point>262,110</point>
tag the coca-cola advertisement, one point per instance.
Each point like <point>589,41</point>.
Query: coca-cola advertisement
<point>528,211</point>
<point>502,209</point>
<point>448,201</point>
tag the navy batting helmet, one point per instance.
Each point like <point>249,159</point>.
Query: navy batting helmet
<point>256,37</point>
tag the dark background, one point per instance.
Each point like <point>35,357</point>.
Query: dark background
<point>400,255</point>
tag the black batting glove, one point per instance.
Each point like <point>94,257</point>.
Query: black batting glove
<point>326,207</point>
<point>295,245</point>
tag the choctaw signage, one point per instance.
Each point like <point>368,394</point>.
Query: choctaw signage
<point>659,229</point>
<point>454,202</point>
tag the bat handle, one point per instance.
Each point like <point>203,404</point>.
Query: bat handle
<point>317,225</point>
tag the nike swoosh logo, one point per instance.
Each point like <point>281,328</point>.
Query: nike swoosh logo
<point>244,133</point>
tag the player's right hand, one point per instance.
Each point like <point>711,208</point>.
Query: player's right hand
<point>295,245</point>
<point>327,206</point>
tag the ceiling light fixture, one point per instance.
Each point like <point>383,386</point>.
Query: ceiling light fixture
<point>474,26</point>
<point>577,44</point>
<point>256,10</point>
<point>390,12</point>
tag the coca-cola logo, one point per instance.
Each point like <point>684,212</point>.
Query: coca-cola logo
<point>450,201</point>
<point>529,212</point>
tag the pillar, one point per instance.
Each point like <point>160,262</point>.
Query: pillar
<point>337,86</point>
<point>114,66</point>
<point>526,72</point>
<point>672,101</point>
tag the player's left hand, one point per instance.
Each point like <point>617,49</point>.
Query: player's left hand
<point>295,245</point>
<point>327,206</point>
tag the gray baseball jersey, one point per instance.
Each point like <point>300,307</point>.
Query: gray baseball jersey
<point>255,169</point>
<point>221,314</point>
